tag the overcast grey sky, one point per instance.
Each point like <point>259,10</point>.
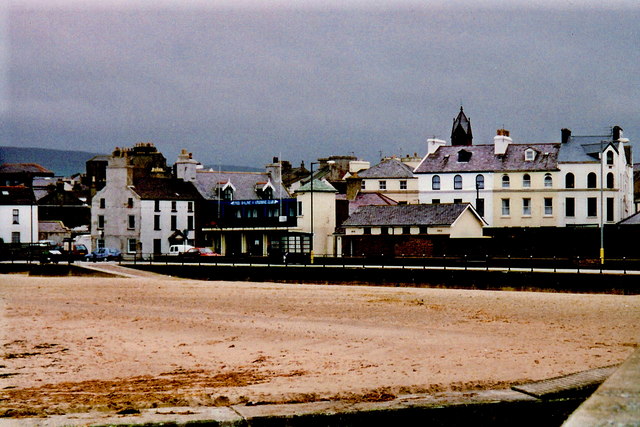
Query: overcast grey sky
<point>241,84</point>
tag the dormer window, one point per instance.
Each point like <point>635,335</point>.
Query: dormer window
<point>267,193</point>
<point>227,193</point>
<point>529,155</point>
<point>464,156</point>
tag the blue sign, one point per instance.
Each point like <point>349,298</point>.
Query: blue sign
<point>253,202</point>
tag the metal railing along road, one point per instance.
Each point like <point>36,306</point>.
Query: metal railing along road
<point>460,262</point>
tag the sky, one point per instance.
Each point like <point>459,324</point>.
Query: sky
<point>239,82</point>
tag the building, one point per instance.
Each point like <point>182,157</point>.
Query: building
<point>18,215</point>
<point>407,230</point>
<point>243,213</point>
<point>393,178</point>
<point>14,174</point>
<point>317,216</point>
<point>143,209</point>
<point>576,182</point>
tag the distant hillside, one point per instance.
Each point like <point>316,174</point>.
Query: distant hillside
<point>61,162</point>
<point>68,163</point>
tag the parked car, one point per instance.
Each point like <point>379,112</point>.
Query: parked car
<point>175,250</point>
<point>104,254</point>
<point>198,252</point>
<point>51,255</point>
<point>79,251</point>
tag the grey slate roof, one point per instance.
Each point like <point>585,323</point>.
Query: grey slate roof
<point>389,168</point>
<point>580,149</point>
<point>16,195</point>
<point>165,189</point>
<point>483,159</point>
<point>319,185</point>
<point>632,220</point>
<point>245,184</point>
<point>406,215</point>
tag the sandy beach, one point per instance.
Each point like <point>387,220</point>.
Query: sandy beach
<point>77,344</point>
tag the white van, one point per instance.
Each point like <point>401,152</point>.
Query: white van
<point>176,250</point>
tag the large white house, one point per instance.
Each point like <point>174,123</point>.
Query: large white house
<point>578,181</point>
<point>18,215</point>
<point>142,210</point>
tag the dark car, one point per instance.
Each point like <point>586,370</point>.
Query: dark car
<point>79,251</point>
<point>104,254</point>
<point>51,255</point>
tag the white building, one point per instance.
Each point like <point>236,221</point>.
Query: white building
<point>18,215</point>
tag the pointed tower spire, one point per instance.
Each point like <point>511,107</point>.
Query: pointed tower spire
<point>461,130</point>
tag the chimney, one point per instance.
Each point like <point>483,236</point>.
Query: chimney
<point>501,141</point>
<point>617,133</point>
<point>433,144</point>
<point>185,167</point>
<point>566,134</point>
<point>354,183</point>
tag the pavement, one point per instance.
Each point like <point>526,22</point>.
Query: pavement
<point>616,402</point>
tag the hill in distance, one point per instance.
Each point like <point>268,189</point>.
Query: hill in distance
<point>68,163</point>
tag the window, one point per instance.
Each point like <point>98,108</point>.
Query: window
<point>457,200</point>
<point>156,222</point>
<point>505,181</point>
<point>227,194</point>
<point>130,202</point>
<point>403,185</point>
<point>548,181</point>
<point>479,182</point>
<point>103,203</point>
<point>189,206</point>
<point>480,206</point>
<point>174,206</point>
<point>592,206</point>
<point>548,206</point>
<point>16,216</point>
<point>174,222</point>
<point>363,185</point>
<point>505,207</point>
<point>131,245</point>
<point>300,207</point>
<point>457,182</point>
<point>610,158</point>
<point>526,207</point>
<point>464,156</point>
<point>406,230</point>
<point>100,243</point>
<point>190,222</point>
<point>570,207</point>
<point>526,180</point>
<point>435,182</point>
<point>435,201</point>
<point>610,202</point>
<point>15,237</point>
<point>366,230</point>
<point>100,221</point>
<point>156,206</point>
<point>529,155</point>
<point>569,180</point>
<point>384,230</point>
<point>610,180</point>
<point>382,185</point>
<point>267,194</point>
<point>132,222</point>
<point>592,180</point>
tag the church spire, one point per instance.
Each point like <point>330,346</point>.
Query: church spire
<point>461,130</point>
